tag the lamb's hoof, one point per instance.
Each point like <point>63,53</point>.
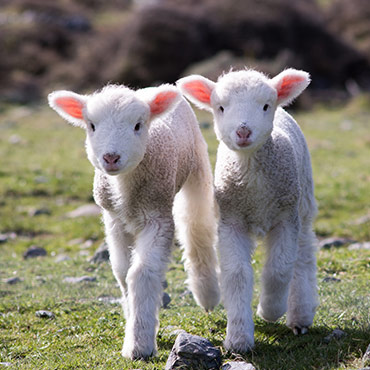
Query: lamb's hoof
<point>300,330</point>
<point>242,344</point>
<point>137,354</point>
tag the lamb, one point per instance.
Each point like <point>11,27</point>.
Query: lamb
<point>264,189</point>
<point>151,172</point>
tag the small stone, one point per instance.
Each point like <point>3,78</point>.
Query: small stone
<point>3,238</point>
<point>193,352</point>
<point>358,246</point>
<point>34,251</point>
<point>13,280</point>
<point>109,300</point>
<point>62,258</point>
<point>166,299</point>
<point>76,241</point>
<point>186,293</point>
<point>45,314</point>
<point>41,180</point>
<point>39,212</point>
<point>87,244</point>
<point>5,364</point>
<point>101,254</point>
<point>334,242</point>
<point>7,236</point>
<point>330,279</point>
<point>15,139</point>
<point>335,334</point>
<point>80,279</point>
<point>85,210</point>
<point>235,365</point>
<point>362,220</point>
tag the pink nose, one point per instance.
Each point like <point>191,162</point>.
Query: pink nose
<point>111,158</point>
<point>243,133</point>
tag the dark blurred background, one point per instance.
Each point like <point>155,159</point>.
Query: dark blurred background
<point>83,44</point>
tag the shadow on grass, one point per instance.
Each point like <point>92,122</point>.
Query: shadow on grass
<point>277,347</point>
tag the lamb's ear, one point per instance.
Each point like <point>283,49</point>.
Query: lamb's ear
<point>289,84</point>
<point>69,105</point>
<point>160,99</point>
<point>198,90</point>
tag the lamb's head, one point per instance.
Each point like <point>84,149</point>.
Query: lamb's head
<point>116,120</point>
<point>244,102</point>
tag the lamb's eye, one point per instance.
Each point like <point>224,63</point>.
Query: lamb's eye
<point>265,107</point>
<point>137,126</point>
<point>92,126</point>
<point>221,109</point>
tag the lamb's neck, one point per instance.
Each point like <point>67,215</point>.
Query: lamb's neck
<point>123,181</point>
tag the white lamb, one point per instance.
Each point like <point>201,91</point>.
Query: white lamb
<point>146,146</point>
<point>264,188</point>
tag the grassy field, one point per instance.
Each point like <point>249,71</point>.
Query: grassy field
<point>43,167</point>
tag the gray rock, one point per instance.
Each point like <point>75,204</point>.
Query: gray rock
<point>76,241</point>
<point>101,254</point>
<point>362,220</point>
<point>7,236</point>
<point>235,365</point>
<point>166,299</point>
<point>109,300</point>
<point>335,334</point>
<point>331,279</point>
<point>34,251</point>
<point>86,210</point>
<point>13,280</point>
<point>358,246</point>
<point>186,293</point>
<point>334,242</point>
<point>41,179</point>
<point>16,139</point>
<point>80,279</point>
<point>39,211</point>
<point>45,314</point>
<point>62,258</point>
<point>194,353</point>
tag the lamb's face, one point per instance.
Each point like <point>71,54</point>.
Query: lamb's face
<point>116,121</point>
<point>244,103</point>
<point>243,106</point>
<point>117,131</point>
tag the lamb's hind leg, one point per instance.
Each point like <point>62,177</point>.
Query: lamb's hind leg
<point>302,301</point>
<point>196,227</point>
<point>281,245</point>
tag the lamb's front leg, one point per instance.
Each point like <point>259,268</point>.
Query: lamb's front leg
<point>119,244</point>
<point>235,249</point>
<point>144,280</point>
<point>281,245</point>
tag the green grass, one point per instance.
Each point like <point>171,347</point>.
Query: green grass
<point>48,168</point>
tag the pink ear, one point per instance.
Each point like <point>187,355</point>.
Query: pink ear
<point>287,85</point>
<point>71,106</point>
<point>199,90</point>
<point>162,101</point>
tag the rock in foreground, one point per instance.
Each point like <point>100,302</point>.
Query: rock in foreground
<point>193,353</point>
